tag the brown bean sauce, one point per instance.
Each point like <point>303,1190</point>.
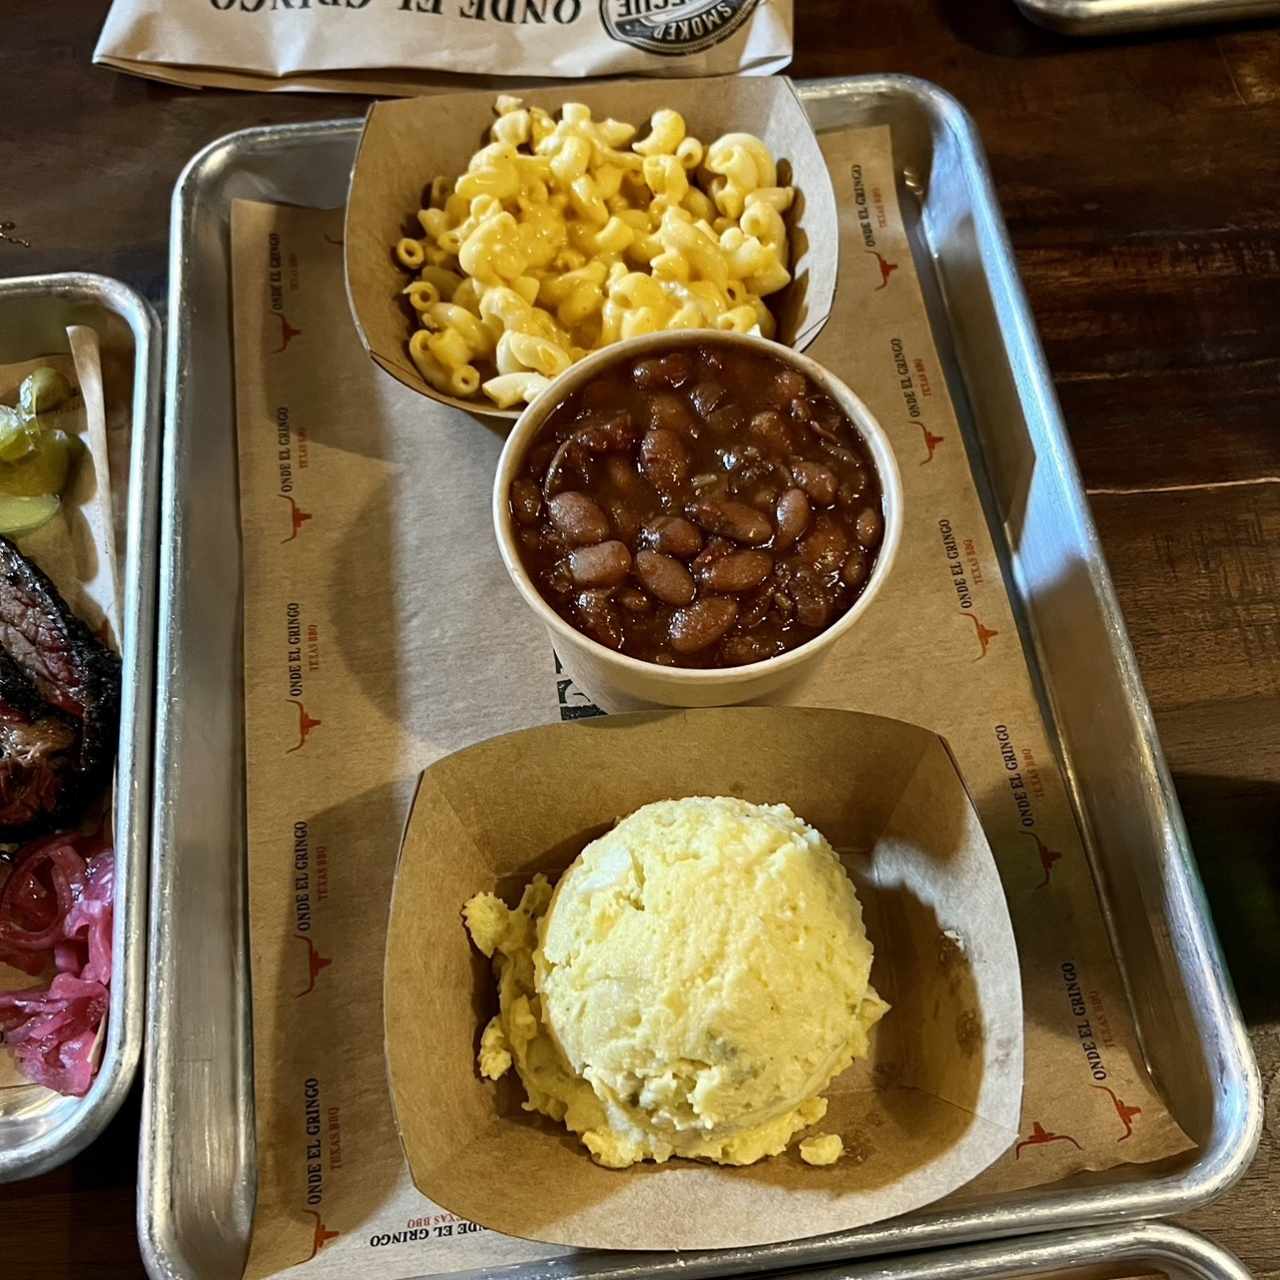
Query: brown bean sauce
<point>707,507</point>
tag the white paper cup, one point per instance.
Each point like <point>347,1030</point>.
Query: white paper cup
<point>610,676</point>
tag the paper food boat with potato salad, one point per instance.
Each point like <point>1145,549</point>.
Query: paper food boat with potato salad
<point>408,143</point>
<point>936,1101</point>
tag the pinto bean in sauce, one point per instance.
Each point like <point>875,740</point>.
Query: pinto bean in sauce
<point>716,506</point>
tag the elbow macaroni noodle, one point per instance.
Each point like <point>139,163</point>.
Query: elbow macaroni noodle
<point>566,235</point>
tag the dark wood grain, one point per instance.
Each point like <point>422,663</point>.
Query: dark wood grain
<point>1139,178</point>
<point>79,1220</point>
<point>1197,571</point>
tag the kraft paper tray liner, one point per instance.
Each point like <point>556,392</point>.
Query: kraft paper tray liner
<point>407,143</point>
<point>365,518</point>
<point>936,1101</point>
<point>77,551</point>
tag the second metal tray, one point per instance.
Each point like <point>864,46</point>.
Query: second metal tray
<point>34,314</point>
<point>198,1169</point>
<point>1098,1254</point>
<point>1109,17</point>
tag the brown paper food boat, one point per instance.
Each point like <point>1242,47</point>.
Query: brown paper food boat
<point>407,143</point>
<point>938,1099</point>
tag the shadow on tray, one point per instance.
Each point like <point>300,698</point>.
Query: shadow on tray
<point>1233,823</point>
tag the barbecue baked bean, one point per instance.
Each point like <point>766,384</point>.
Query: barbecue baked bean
<point>621,473</point>
<point>716,549</point>
<point>762,492</point>
<point>633,600</point>
<point>578,519</point>
<point>599,619</point>
<point>539,458</point>
<point>698,626</point>
<point>849,495</point>
<point>785,385</point>
<point>733,520</point>
<point>624,518</point>
<point>825,546</point>
<point>869,527</point>
<point>854,571</point>
<point>828,420</point>
<point>753,611</point>
<point>769,428</point>
<point>812,599</point>
<point>560,579</point>
<point>706,396</point>
<point>727,420</point>
<point>665,460</point>
<point>673,536</point>
<point>702,507</point>
<point>738,571</point>
<point>672,413</point>
<point>662,371</point>
<point>664,577</point>
<point>838,453</point>
<point>817,481</point>
<point>707,484</point>
<point>737,651</point>
<point>604,565</point>
<point>600,433</point>
<point>526,500</point>
<point>793,515</point>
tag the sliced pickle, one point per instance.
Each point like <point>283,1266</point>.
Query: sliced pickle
<point>20,516</point>
<point>42,391</point>
<point>15,434</point>
<point>44,470</point>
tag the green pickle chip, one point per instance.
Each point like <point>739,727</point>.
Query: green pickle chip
<point>42,391</point>
<point>35,458</point>
<point>15,435</point>
<point>19,516</point>
<point>43,469</point>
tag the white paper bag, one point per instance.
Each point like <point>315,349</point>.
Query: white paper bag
<point>406,47</point>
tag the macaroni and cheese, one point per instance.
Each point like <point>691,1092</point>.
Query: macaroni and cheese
<point>566,235</point>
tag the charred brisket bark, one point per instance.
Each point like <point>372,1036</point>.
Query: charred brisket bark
<point>59,704</point>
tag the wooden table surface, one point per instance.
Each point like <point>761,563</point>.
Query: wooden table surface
<point>1140,178</point>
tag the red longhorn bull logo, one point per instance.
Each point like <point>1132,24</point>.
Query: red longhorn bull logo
<point>305,726</point>
<point>1047,858</point>
<point>1123,1110</point>
<point>886,269</point>
<point>931,442</point>
<point>316,963</point>
<point>320,1237</point>
<point>287,332</point>
<point>985,634</point>
<point>1041,1137</point>
<point>297,517</point>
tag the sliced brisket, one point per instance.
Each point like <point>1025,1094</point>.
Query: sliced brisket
<point>59,704</point>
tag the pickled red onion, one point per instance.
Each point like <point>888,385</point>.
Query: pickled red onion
<point>56,908</point>
<point>23,890</point>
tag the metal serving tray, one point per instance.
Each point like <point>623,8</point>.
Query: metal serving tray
<point>34,314</point>
<point>1141,1249</point>
<point>1107,17</point>
<point>198,1161</point>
